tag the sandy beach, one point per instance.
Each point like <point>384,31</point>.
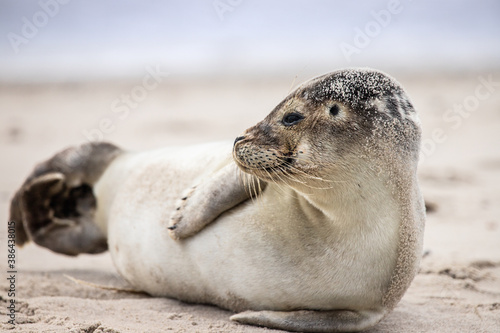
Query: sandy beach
<point>457,289</point>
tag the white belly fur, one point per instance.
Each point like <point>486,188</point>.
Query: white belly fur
<point>259,255</point>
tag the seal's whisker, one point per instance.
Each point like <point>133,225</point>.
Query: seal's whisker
<point>248,184</point>
<point>307,176</point>
<point>283,172</point>
<point>303,182</point>
<point>258,185</point>
<point>301,159</point>
<point>253,188</point>
<point>243,180</point>
<point>260,202</point>
<point>287,174</point>
<point>280,186</point>
<point>293,83</point>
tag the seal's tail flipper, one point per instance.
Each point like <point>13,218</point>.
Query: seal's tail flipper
<point>311,321</point>
<point>16,216</point>
<point>55,206</point>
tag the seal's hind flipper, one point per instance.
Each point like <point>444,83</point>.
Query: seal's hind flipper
<point>55,206</point>
<point>311,321</point>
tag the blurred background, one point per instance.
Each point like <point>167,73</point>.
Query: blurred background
<point>51,40</point>
<point>147,74</point>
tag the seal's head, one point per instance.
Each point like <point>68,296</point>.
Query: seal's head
<point>323,128</point>
<point>347,143</point>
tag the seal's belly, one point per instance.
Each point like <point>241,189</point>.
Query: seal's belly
<point>261,255</point>
<point>237,267</point>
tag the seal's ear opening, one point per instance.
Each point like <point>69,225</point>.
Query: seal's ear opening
<point>17,217</point>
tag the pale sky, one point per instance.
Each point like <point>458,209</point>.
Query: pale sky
<point>66,40</point>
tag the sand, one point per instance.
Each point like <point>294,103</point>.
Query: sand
<point>457,289</point>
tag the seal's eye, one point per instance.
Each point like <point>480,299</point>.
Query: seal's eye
<point>292,119</point>
<point>334,110</point>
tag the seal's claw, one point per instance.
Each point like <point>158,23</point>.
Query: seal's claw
<point>173,229</point>
<point>178,227</point>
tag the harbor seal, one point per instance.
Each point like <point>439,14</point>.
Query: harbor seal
<point>311,220</point>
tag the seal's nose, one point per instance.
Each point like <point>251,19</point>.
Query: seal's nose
<point>238,139</point>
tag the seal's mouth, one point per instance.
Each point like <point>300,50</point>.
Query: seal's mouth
<point>266,159</point>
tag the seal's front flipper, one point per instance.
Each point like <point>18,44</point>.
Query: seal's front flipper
<point>204,202</point>
<point>311,321</point>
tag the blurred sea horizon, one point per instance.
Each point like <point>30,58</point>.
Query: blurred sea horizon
<point>56,40</point>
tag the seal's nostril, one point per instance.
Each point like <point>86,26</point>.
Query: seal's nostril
<point>238,139</point>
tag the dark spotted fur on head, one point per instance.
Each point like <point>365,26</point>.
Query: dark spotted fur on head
<point>368,103</point>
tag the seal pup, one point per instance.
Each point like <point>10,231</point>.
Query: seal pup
<point>312,220</point>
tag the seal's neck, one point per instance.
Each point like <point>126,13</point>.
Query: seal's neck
<point>357,197</point>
